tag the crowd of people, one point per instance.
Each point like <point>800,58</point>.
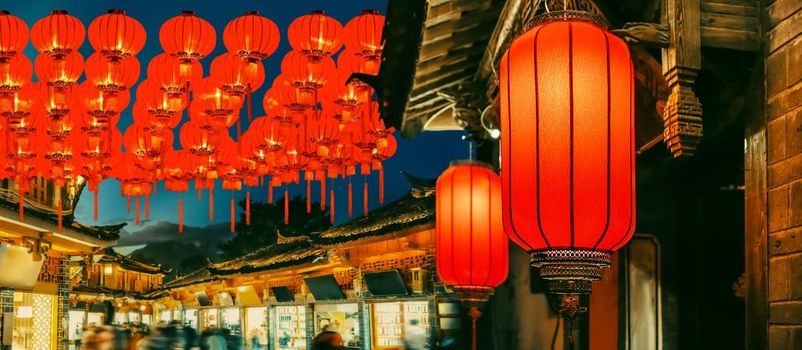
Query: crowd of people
<point>170,336</point>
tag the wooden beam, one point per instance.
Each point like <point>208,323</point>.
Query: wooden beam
<point>468,19</point>
<point>736,22</point>
<point>462,64</point>
<point>430,87</point>
<point>730,39</point>
<point>729,8</point>
<point>470,37</point>
<point>454,10</point>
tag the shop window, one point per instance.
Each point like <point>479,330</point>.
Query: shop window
<point>641,282</point>
<point>34,322</point>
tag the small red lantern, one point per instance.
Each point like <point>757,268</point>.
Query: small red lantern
<point>251,37</point>
<point>58,34</point>
<point>187,37</point>
<point>363,35</point>
<point>568,155</point>
<point>13,35</point>
<point>116,35</point>
<point>315,34</point>
<point>112,76</point>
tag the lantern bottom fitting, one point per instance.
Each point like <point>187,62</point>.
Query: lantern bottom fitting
<point>473,296</point>
<point>570,271</point>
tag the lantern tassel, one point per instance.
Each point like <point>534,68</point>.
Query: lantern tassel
<point>94,199</point>
<point>323,194</point>
<point>365,198</point>
<point>233,213</point>
<point>180,215</point>
<point>269,194</point>
<point>308,196</point>
<point>211,204</point>
<point>200,195</point>
<point>381,184</point>
<point>350,199</point>
<point>286,206</point>
<point>21,207</point>
<point>474,313</point>
<point>128,204</point>
<point>137,210</point>
<point>331,206</point>
<point>248,207</point>
<point>60,214</point>
<point>147,206</point>
<point>250,104</point>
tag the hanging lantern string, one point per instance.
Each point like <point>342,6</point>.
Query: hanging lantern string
<point>180,213</point>
<point>474,313</point>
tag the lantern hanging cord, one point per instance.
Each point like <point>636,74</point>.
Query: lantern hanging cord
<point>493,132</point>
<point>556,331</point>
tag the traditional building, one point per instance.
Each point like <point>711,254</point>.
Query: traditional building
<point>35,256</point>
<point>370,276</point>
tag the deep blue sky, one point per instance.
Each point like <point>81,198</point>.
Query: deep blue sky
<point>426,156</point>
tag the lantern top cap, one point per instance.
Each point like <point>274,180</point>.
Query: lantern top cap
<point>568,15</point>
<point>470,162</point>
<point>317,12</point>
<point>187,13</point>
<point>116,12</point>
<point>252,13</point>
<point>370,12</point>
<point>4,12</point>
<point>58,12</point>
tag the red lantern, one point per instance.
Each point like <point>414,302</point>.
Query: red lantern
<point>18,104</point>
<point>116,35</point>
<point>13,35</point>
<point>307,74</point>
<point>471,245</point>
<point>112,76</point>
<point>568,156</point>
<point>14,73</point>
<point>251,37</point>
<point>161,105</point>
<point>213,107</point>
<point>167,72</point>
<point>196,139</point>
<point>58,35</point>
<point>315,34</point>
<point>236,76</point>
<point>187,37</point>
<point>100,108</point>
<point>363,35</point>
<point>61,73</point>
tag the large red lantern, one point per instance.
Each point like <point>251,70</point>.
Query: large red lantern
<point>363,35</point>
<point>307,74</point>
<point>315,34</point>
<point>187,37</point>
<point>116,35</point>
<point>58,34</point>
<point>471,246</point>
<point>251,37</point>
<point>568,156</point>
<point>13,35</point>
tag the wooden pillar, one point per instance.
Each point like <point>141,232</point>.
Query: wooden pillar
<point>682,116</point>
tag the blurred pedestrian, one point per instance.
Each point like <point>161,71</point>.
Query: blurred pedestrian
<point>415,337</point>
<point>328,339</point>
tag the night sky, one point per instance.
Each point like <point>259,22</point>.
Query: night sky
<point>425,156</point>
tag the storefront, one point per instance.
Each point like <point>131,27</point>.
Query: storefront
<point>191,318</point>
<point>345,319</point>
<point>165,316</point>
<point>288,327</point>
<point>391,321</point>
<point>230,319</point>
<point>256,328</point>
<point>35,320</point>
<point>76,324</point>
<point>208,318</point>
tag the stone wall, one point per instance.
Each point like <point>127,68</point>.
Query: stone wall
<point>783,64</point>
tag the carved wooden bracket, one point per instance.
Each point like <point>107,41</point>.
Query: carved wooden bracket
<point>468,100</point>
<point>682,116</point>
